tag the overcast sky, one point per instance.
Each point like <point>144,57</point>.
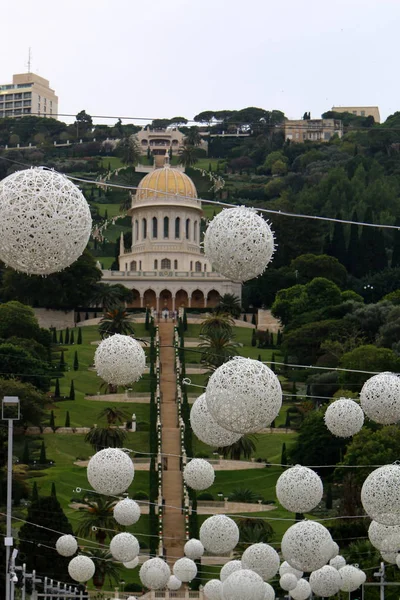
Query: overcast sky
<point>166,58</point>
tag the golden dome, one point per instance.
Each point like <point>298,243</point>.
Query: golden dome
<point>165,182</point>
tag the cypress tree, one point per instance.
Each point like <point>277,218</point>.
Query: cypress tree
<point>372,247</point>
<point>106,215</point>
<point>72,338</point>
<point>62,363</point>
<point>67,335</point>
<point>76,361</point>
<point>184,320</point>
<point>253,338</point>
<point>61,337</point>
<point>279,338</point>
<point>328,498</point>
<point>72,391</point>
<point>78,317</point>
<point>67,419</point>
<point>396,246</point>
<point>338,243</point>
<point>353,248</point>
<point>57,389</point>
<point>43,457</point>
<point>53,492</point>
<point>259,358</point>
<point>79,335</point>
<point>245,318</point>
<point>253,320</point>
<point>147,320</point>
<point>52,423</point>
<point>285,364</point>
<point>273,359</point>
<point>287,421</point>
<point>25,459</point>
<point>294,391</point>
<point>86,316</point>
<point>283,455</point>
<point>34,493</point>
<point>54,336</point>
<point>271,339</point>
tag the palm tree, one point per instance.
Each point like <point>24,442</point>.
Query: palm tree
<point>217,347</point>
<point>113,415</point>
<point>217,321</point>
<point>105,437</point>
<point>128,150</point>
<point>116,320</point>
<point>98,514</point>
<point>105,567</point>
<point>245,447</point>
<point>193,138</point>
<point>229,303</point>
<point>253,531</point>
<point>105,295</point>
<point>187,156</point>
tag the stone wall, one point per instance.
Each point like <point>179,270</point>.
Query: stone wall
<point>60,319</point>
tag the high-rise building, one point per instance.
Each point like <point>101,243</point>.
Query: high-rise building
<point>28,94</point>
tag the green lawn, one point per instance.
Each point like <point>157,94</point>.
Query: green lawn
<point>113,161</point>
<point>113,210</point>
<point>204,163</point>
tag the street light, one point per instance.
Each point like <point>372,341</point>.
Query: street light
<point>10,411</point>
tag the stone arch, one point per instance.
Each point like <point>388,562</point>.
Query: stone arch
<point>135,299</point>
<point>133,265</point>
<point>149,299</point>
<point>213,298</point>
<point>181,299</point>
<point>165,299</point>
<point>197,299</point>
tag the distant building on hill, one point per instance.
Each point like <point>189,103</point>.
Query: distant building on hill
<point>28,94</point>
<point>315,130</point>
<point>360,111</point>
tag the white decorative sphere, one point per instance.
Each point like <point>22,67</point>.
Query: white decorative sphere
<point>213,589</point>
<point>124,547</point>
<point>288,581</point>
<point>269,592</point>
<point>307,545</point>
<point>185,569</point>
<point>344,417</point>
<point>326,581</point>
<point>286,568</point>
<point>335,549</point>
<point>206,429</point>
<point>239,243</point>
<point>198,474</point>
<point>154,574</point>
<point>378,532</point>
<point>243,585</point>
<point>119,360</point>
<point>219,534</point>
<point>45,221</point>
<point>380,495</point>
<point>299,489</point>
<point>81,568</point>
<point>132,563</point>
<point>337,562</point>
<point>380,398</point>
<point>193,549</point>
<point>244,395</point>
<point>127,512</point>
<point>262,559</point>
<point>390,548</point>
<point>398,560</point>
<point>174,583</point>
<point>229,568</point>
<point>66,545</point>
<point>302,591</point>
<point>351,578</point>
<point>110,471</point>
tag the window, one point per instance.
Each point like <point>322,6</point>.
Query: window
<point>205,267</point>
<point>197,266</point>
<point>27,94</point>
<point>191,265</point>
<point>187,228</point>
<point>133,265</point>
<point>165,263</point>
<point>166,227</point>
<point>195,232</point>
<point>156,264</point>
<point>140,265</point>
<point>175,264</point>
<point>155,227</point>
<point>136,231</point>
<point>144,229</point>
<point>177,228</point>
<point>363,113</point>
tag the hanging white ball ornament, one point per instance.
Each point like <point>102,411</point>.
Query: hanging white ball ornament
<point>154,573</point>
<point>132,564</point>
<point>81,568</point>
<point>124,547</point>
<point>119,360</point>
<point>262,559</point>
<point>244,395</point>
<point>302,591</point>
<point>288,582</point>
<point>380,398</point>
<point>66,545</point>
<point>390,548</point>
<point>325,582</point>
<point>219,534</point>
<point>45,221</point>
<point>299,489</point>
<point>286,568</point>
<point>193,549</point>
<point>269,592</point>
<point>110,471</point>
<point>174,583</point>
<point>198,474</point>
<point>239,243</point>
<point>335,549</point>
<point>380,495</point>
<point>351,578</point>
<point>127,512</point>
<point>307,545</point>
<point>243,585</point>
<point>378,532</point>
<point>229,568</point>
<point>185,569</point>
<point>213,589</point>
<point>206,429</point>
<point>338,562</point>
<point>344,417</point>
<point>398,560</point>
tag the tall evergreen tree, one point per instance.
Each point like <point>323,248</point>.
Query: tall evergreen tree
<point>79,340</point>
<point>147,320</point>
<point>67,335</point>
<point>76,361</point>
<point>43,456</point>
<point>396,246</point>
<point>67,418</point>
<point>34,493</point>
<point>253,320</point>
<point>72,338</point>
<point>273,359</point>
<point>52,423</point>
<point>53,492</point>
<point>57,389</point>
<point>283,455</point>
<point>54,336</point>
<point>338,242</point>
<point>26,459</point>
<point>184,320</point>
<point>353,248</point>
<point>328,498</point>
<point>62,363</point>
<point>372,247</point>
<point>61,339</point>
<point>71,392</point>
<point>253,338</point>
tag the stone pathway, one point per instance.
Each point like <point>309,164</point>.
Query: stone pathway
<point>267,321</point>
<point>174,524</point>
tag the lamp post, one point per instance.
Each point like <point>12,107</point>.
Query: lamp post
<point>10,411</point>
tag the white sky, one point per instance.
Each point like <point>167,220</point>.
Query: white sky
<point>166,58</point>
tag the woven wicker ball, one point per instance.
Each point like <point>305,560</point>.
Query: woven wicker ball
<point>154,574</point>
<point>66,545</point>
<point>229,568</point>
<point>380,398</point>
<point>302,591</point>
<point>193,549</point>
<point>119,360</point>
<point>206,429</point>
<point>288,582</point>
<point>127,512</point>
<point>213,589</point>
<point>326,581</point>
<point>351,578</point>
<point>378,532</point>
<point>286,568</point>
<point>380,495</point>
<point>219,534</point>
<point>198,474</point>
<point>344,417</point>
<point>132,564</point>
<point>307,546</point>
<point>338,562</point>
<point>243,585</point>
<point>269,592</point>
<point>262,559</point>
<point>185,569</point>
<point>174,583</point>
<point>299,489</point>
<point>110,471</point>
<point>81,568</point>
<point>124,547</point>
<point>390,548</point>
